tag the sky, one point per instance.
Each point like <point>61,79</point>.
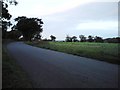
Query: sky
<point>71,17</point>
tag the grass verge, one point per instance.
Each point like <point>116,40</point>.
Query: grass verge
<point>12,74</point>
<point>108,52</point>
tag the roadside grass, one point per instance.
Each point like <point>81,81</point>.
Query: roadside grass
<point>12,74</point>
<point>108,52</point>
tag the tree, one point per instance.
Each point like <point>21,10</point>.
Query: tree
<point>74,39</point>
<point>5,15</point>
<point>37,37</point>
<point>68,38</point>
<point>112,40</point>
<point>98,39</point>
<point>52,38</point>
<point>14,34</point>
<point>5,25</point>
<point>118,39</point>
<point>90,38</point>
<point>82,38</point>
<point>29,27</point>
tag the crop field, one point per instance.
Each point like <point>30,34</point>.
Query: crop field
<point>108,52</point>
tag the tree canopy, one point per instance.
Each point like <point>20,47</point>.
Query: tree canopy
<point>90,38</point>
<point>28,26</point>
<point>52,38</point>
<point>74,39</point>
<point>82,38</point>
<point>5,15</point>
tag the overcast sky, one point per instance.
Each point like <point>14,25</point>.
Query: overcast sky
<point>72,17</point>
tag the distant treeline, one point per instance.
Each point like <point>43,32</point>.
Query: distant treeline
<point>15,34</point>
<point>112,40</point>
<point>90,38</point>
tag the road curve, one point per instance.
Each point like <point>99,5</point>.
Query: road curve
<point>51,69</point>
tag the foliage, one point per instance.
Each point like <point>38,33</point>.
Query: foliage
<point>46,39</point>
<point>71,39</point>
<point>52,38</point>
<point>37,37</point>
<point>5,25</point>
<point>5,15</point>
<point>82,38</point>
<point>74,39</point>
<point>68,39</point>
<point>112,40</point>
<point>28,26</point>
<point>90,38</point>
<point>14,34</point>
<point>98,39</point>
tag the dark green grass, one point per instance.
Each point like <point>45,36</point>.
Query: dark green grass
<point>108,52</point>
<point>12,74</point>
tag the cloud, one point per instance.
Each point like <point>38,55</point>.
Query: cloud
<point>97,18</point>
<point>44,7</point>
<point>97,25</point>
<point>106,0</point>
<point>61,18</point>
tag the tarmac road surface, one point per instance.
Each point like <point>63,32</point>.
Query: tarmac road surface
<point>51,69</point>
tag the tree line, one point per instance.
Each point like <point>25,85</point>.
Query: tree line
<point>91,38</point>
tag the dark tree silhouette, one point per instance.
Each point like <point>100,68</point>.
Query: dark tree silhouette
<point>82,38</point>
<point>90,38</point>
<point>74,39</point>
<point>68,38</point>
<point>14,34</point>
<point>5,15</point>
<point>118,39</point>
<point>112,40</point>
<point>52,38</point>
<point>98,39</point>
<point>29,27</point>
<point>37,37</point>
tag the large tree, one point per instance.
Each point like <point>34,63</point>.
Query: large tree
<point>28,26</point>
<point>5,15</point>
<point>14,34</point>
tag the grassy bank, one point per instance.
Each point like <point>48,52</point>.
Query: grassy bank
<point>12,74</point>
<point>102,51</point>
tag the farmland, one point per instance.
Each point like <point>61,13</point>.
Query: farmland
<point>101,51</point>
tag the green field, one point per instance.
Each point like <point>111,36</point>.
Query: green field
<point>101,51</point>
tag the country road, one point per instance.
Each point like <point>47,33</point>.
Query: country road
<point>51,69</point>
